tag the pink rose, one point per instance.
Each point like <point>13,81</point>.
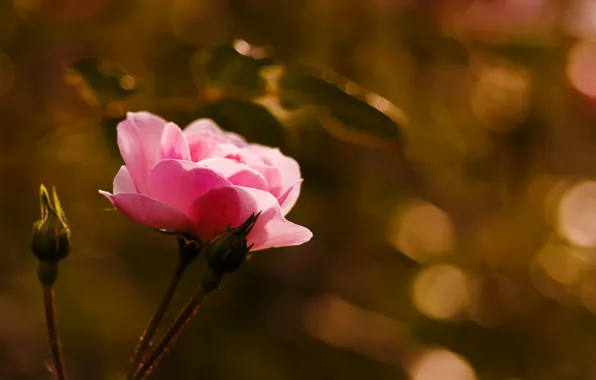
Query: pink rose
<point>200,180</point>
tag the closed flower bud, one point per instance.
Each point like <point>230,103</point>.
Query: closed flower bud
<point>228,250</point>
<point>51,234</point>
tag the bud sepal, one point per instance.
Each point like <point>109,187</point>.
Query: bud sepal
<point>227,251</point>
<point>51,234</point>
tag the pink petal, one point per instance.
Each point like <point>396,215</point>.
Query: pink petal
<point>208,127</point>
<point>148,212</point>
<point>179,183</point>
<point>123,182</point>
<point>139,140</point>
<point>287,166</point>
<point>273,177</point>
<point>173,143</point>
<point>288,199</point>
<point>230,206</point>
<point>236,153</point>
<point>200,126</point>
<point>201,147</point>
<point>237,173</point>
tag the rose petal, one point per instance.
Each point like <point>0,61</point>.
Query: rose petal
<point>173,143</point>
<point>201,147</point>
<point>148,212</point>
<point>272,176</point>
<point>209,127</point>
<point>231,206</point>
<point>179,183</point>
<point>288,199</point>
<point>237,173</point>
<point>123,182</point>
<point>287,166</point>
<point>139,140</point>
<point>236,153</point>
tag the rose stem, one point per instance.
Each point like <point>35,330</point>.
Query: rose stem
<point>48,298</point>
<point>183,318</point>
<point>151,329</point>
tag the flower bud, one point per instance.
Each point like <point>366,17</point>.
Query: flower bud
<point>51,234</point>
<point>226,252</point>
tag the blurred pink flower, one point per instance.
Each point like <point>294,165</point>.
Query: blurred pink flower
<point>202,179</point>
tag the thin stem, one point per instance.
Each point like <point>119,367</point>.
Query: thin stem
<point>48,299</point>
<point>183,318</point>
<point>151,329</point>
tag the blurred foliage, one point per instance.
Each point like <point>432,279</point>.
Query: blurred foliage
<point>456,243</point>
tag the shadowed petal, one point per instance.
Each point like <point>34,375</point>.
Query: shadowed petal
<point>287,166</point>
<point>139,140</point>
<point>230,206</point>
<point>123,182</point>
<point>288,199</point>
<point>237,173</point>
<point>179,183</point>
<point>209,128</point>
<point>148,212</point>
<point>173,143</point>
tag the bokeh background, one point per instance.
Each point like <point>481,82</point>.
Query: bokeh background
<point>453,204</point>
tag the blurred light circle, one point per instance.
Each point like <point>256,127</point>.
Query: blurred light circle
<point>552,199</point>
<point>500,96</point>
<point>560,263</point>
<point>7,74</point>
<point>253,51</point>
<point>422,231</point>
<point>441,291</point>
<point>581,66</point>
<point>580,20</point>
<point>128,82</point>
<point>577,214</point>
<point>441,364</point>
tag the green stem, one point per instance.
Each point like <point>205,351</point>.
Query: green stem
<point>152,328</point>
<point>48,298</point>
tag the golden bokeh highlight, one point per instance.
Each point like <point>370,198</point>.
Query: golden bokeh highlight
<point>577,214</point>
<point>500,95</point>
<point>127,82</point>
<point>440,364</point>
<point>422,231</point>
<point>441,292</point>
<point>342,324</point>
<point>253,51</point>
<point>581,62</point>
<point>580,20</point>
<point>560,263</point>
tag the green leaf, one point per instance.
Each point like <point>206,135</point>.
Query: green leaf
<point>248,119</point>
<point>346,110</point>
<point>105,81</point>
<point>237,65</point>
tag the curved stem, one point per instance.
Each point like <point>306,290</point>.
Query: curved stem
<point>151,329</point>
<point>183,318</point>
<point>48,299</point>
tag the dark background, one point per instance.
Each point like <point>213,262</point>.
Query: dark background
<point>454,233</point>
